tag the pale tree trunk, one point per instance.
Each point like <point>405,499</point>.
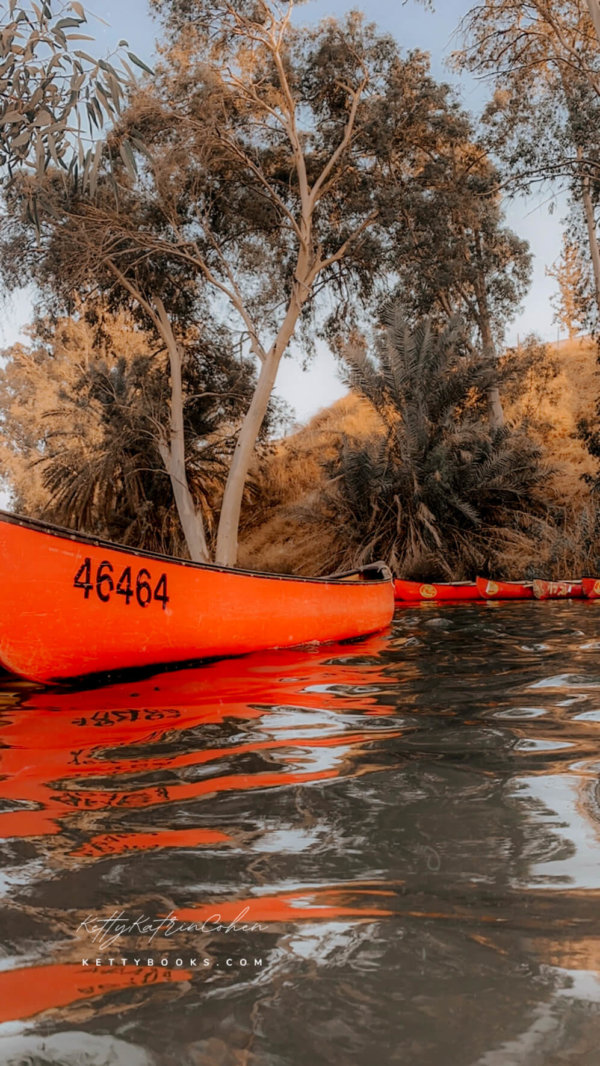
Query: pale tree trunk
<point>227,536</point>
<point>594,9</point>
<point>481,315</point>
<point>173,452</point>
<point>496,417</point>
<point>592,234</point>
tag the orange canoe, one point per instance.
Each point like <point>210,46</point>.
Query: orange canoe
<point>591,587</point>
<point>558,590</point>
<point>505,590</point>
<point>73,605</point>
<point>419,592</point>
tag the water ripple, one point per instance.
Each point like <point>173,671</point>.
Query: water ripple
<point>391,827</point>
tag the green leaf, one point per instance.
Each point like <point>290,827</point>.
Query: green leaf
<point>36,216</point>
<point>115,89</point>
<point>128,158</point>
<point>86,167</point>
<point>53,152</point>
<point>98,111</point>
<point>67,23</point>
<point>43,118</point>
<point>141,148</point>
<point>22,139</point>
<point>139,63</point>
<point>40,155</point>
<point>93,120</point>
<point>104,101</point>
<point>93,178</point>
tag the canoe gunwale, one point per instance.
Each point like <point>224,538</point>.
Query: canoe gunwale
<point>377,572</point>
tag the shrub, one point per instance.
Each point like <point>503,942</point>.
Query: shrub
<point>439,493</point>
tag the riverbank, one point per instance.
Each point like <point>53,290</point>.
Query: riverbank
<point>547,389</point>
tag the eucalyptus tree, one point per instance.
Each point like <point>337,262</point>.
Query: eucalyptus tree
<point>480,268</point>
<point>544,58</point>
<point>571,300</point>
<point>55,98</point>
<point>254,180</point>
<point>79,404</point>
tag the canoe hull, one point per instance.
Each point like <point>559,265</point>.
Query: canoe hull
<point>504,590</point>
<point>591,587</point>
<point>558,590</point>
<point>424,592</point>
<point>74,606</point>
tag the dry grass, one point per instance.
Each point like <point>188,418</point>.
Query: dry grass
<point>553,404</point>
<point>287,479</point>
<point>550,396</point>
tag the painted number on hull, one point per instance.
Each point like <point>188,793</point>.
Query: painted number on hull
<point>139,587</point>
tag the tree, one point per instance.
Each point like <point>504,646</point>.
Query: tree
<point>428,494</point>
<point>594,10</point>
<point>480,268</point>
<point>50,88</point>
<point>545,60</point>
<point>81,408</point>
<point>569,304</point>
<point>257,181</point>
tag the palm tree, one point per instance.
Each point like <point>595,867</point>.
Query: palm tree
<point>429,493</point>
<point>81,420</point>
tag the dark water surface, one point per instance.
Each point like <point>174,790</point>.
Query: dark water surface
<point>409,828</point>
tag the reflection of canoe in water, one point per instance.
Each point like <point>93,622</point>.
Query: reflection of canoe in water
<point>73,605</point>
<point>60,748</point>
<point>420,592</point>
<point>505,590</point>
<point>32,990</point>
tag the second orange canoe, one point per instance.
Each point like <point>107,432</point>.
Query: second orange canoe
<point>422,592</point>
<point>505,590</point>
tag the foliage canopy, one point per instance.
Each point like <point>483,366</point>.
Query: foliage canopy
<point>426,495</point>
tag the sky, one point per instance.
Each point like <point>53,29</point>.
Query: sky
<point>413,26</point>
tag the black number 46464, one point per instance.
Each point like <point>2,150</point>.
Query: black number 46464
<point>139,587</point>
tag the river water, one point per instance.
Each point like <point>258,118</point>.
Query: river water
<point>385,852</point>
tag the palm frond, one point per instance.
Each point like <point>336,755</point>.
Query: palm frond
<point>426,491</point>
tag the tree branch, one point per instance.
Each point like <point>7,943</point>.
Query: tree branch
<point>341,148</point>
<point>322,264</point>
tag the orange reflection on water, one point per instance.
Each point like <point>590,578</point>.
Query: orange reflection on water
<point>31,990</point>
<point>307,904</point>
<point>55,737</point>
